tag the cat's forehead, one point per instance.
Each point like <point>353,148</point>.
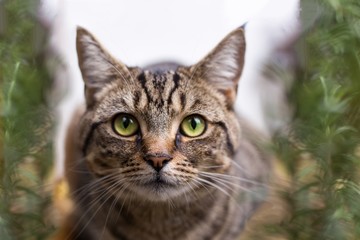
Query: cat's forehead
<point>146,92</point>
<point>160,91</point>
<point>153,96</point>
<point>159,81</point>
<point>160,84</point>
<point>158,95</point>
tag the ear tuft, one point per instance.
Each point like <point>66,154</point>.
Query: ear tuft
<point>94,61</point>
<point>223,66</point>
<point>97,66</point>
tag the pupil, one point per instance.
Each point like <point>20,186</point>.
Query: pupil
<point>126,122</point>
<point>193,123</point>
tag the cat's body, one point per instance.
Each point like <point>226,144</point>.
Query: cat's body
<point>159,153</point>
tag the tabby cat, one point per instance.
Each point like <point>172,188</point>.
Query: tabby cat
<point>158,152</point>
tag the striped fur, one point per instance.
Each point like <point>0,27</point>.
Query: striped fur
<point>211,184</point>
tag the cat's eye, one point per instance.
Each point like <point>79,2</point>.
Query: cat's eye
<point>125,125</point>
<point>193,126</point>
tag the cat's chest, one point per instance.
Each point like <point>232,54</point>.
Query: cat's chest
<point>146,221</point>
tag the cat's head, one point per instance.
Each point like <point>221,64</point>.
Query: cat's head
<point>155,132</point>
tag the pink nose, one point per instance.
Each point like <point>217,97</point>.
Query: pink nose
<point>157,160</point>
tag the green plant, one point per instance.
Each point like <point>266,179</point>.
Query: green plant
<point>323,202</point>
<point>25,122</point>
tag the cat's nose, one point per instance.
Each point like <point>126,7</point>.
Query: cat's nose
<point>157,160</point>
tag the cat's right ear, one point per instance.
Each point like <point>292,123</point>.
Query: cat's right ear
<point>223,66</point>
<point>97,66</point>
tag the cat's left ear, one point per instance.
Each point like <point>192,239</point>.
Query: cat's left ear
<point>98,67</point>
<point>223,66</point>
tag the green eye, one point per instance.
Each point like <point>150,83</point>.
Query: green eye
<point>125,125</point>
<point>192,126</point>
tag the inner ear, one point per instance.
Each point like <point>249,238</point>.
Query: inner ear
<point>230,95</point>
<point>223,66</point>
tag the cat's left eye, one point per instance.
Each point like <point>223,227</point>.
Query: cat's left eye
<point>125,125</point>
<point>193,126</point>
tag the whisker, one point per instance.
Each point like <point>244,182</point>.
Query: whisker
<point>105,193</point>
<point>241,168</point>
<point>117,197</point>
<point>82,190</point>
<point>118,194</point>
<point>108,195</point>
<point>76,163</point>
<point>227,182</point>
<point>203,186</point>
<point>223,183</point>
<point>191,77</point>
<point>214,166</point>
<point>185,194</point>
<point>215,186</point>
<point>242,179</point>
<point>119,72</point>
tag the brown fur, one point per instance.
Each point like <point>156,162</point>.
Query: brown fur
<point>211,184</point>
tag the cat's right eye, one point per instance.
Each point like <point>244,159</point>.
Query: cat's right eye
<point>193,126</point>
<point>125,125</point>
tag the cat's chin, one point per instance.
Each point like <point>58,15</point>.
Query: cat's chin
<point>160,190</point>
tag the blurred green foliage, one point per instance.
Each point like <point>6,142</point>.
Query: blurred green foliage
<point>26,122</point>
<point>322,151</point>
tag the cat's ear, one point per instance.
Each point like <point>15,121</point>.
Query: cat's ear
<point>97,66</point>
<point>223,66</point>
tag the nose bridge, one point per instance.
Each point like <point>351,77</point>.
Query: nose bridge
<point>158,121</point>
<point>157,151</point>
<point>158,144</point>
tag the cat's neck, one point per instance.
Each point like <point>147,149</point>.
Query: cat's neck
<point>171,219</point>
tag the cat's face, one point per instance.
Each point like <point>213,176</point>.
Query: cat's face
<point>157,133</point>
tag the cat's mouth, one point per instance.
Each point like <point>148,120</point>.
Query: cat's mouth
<point>160,182</point>
<point>159,187</point>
